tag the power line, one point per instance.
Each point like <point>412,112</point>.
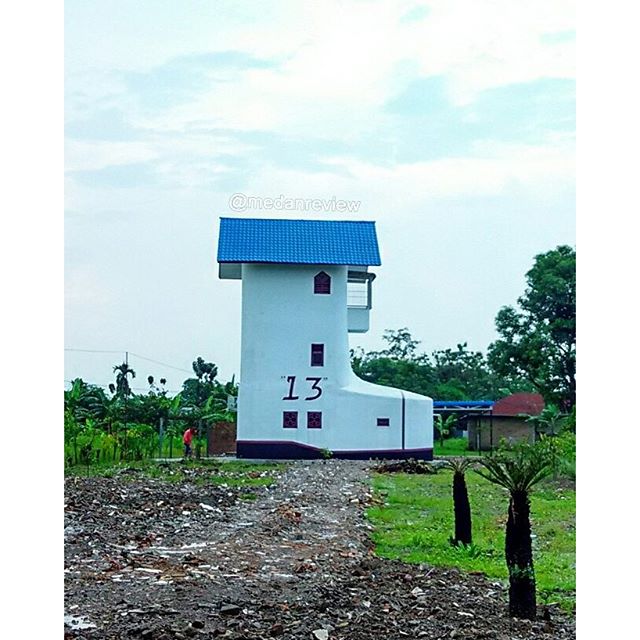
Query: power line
<point>137,355</point>
<point>164,364</point>
<point>94,350</point>
<point>106,386</point>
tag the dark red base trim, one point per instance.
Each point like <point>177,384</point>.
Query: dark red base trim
<point>285,450</point>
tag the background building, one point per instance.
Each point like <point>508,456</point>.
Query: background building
<point>507,419</point>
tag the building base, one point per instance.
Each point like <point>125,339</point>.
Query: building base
<point>287,450</point>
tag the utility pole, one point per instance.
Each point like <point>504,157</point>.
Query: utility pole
<point>161,436</point>
<point>126,396</point>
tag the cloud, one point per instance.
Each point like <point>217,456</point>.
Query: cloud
<point>328,54</point>
<point>183,78</point>
<point>102,124</point>
<point>385,82</point>
<point>493,169</point>
<point>490,44</point>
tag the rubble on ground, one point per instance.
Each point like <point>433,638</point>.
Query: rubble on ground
<point>156,560</point>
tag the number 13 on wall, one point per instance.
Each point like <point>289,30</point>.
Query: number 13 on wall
<point>314,387</point>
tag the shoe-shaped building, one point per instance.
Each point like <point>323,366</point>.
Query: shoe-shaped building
<point>305,286</point>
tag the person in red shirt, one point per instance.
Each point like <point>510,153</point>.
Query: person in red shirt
<point>187,438</point>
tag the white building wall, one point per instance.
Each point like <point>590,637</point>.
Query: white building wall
<point>358,320</point>
<point>281,318</point>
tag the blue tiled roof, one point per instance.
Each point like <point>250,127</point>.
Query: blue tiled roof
<point>463,404</point>
<point>345,242</point>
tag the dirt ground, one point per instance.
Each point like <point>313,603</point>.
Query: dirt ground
<point>154,560</point>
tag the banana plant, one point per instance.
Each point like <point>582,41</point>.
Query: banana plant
<point>214,409</point>
<point>548,421</point>
<point>444,426</point>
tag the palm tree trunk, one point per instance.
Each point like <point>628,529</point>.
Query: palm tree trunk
<point>519,556</point>
<point>461,510</point>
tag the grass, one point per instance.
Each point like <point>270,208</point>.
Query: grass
<point>453,447</point>
<point>234,473</point>
<point>416,520</point>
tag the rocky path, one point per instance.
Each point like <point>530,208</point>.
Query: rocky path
<point>153,560</point>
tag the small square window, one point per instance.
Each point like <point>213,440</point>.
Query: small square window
<point>317,355</point>
<point>289,419</point>
<point>314,419</point>
<point>383,422</point>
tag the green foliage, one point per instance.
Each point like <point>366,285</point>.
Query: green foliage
<point>84,401</point>
<point>401,345</point>
<point>549,421</point>
<point>415,376</point>
<point>519,468</point>
<point>444,426</point>
<point>205,371</point>
<point>123,371</point>
<point>99,428</point>
<point>561,450</point>
<point>454,374</point>
<point>415,520</point>
<point>538,340</point>
<point>471,551</point>
<point>535,351</point>
<point>460,465</point>
<point>196,392</point>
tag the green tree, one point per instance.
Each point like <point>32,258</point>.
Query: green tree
<point>451,374</point>
<point>196,391</point>
<point>401,346</point>
<point>462,374</point>
<point>538,339</point>
<point>415,376</point>
<point>123,371</point>
<point>518,471</point>
<point>205,371</point>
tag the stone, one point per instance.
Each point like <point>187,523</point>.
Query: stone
<point>230,609</point>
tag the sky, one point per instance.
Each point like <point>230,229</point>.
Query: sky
<point>450,123</point>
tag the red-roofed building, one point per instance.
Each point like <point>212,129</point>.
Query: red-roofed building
<point>516,404</point>
<point>507,420</point>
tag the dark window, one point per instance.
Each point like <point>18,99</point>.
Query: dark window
<point>383,422</point>
<point>290,419</point>
<point>322,283</point>
<point>314,419</point>
<point>317,355</point>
